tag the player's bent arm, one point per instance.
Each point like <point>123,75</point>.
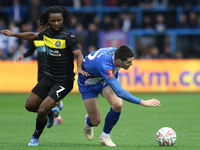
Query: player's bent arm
<point>24,35</point>
<point>120,92</point>
<point>77,53</point>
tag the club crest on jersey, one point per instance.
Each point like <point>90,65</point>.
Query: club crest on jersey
<point>111,74</point>
<point>58,43</point>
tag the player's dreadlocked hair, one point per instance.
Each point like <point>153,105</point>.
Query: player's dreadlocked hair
<point>66,14</point>
<point>123,52</point>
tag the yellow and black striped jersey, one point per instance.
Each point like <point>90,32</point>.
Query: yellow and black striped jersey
<point>59,61</point>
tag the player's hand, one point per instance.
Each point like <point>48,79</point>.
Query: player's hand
<point>82,72</point>
<point>20,57</point>
<point>7,32</point>
<point>152,102</point>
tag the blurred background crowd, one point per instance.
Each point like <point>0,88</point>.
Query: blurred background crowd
<point>99,23</point>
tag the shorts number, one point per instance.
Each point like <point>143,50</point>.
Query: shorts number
<point>60,90</point>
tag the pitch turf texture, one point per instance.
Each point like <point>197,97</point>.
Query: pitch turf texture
<point>136,128</point>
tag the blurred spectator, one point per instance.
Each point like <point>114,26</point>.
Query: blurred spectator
<point>145,4</point>
<point>17,12</point>
<point>2,55</point>
<point>106,24</point>
<point>160,3</point>
<point>81,38</point>
<point>91,48</point>
<point>167,53</point>
<point>116,23</point>
<point>183,21</point>
<point>26,27</point>
<point>127,23</point>
<point>21,50</point>
<point>2,24</point>
<point>145,52</point>
<point>33,12</point>
<point>113,3</point>
<point>160,27</point>
<point>92,35</point>
<point>12,41</point>
<point>77,4</point>
<point>192,19</point>
<point>179,55</point>
<point>147,22</point>
<point>154,53</point>
<point>74,22</point>
<point>194,50</point>
<point>172,4</point>
<point>97,22</point>
<point>183,40</point>
<point>187,3</point>
<point>127,3</point>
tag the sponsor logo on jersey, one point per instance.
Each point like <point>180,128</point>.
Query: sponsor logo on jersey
<point>111,74</point>
<point>58,43</point>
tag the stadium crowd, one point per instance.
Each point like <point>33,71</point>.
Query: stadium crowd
<point>23,16</point>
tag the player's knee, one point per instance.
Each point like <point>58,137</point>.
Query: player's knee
<point>96,121</point>
<point>117,107</point>
<point>42,113</point>
<point>29,107</point>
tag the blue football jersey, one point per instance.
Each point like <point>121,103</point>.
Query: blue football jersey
<point>99,64</point>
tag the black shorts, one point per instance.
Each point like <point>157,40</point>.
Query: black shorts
<point>56,89</point>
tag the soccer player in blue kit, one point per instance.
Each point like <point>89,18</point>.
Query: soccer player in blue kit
<point>103,66</point>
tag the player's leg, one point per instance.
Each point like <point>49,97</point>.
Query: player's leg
<point>93,118</point>
<point>58,92</point>
<point>112,116</point>
<point>58,120</point>
<point>32,104</point>
<point>41,120</point>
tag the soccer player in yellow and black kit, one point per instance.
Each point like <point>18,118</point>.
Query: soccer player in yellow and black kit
<point>41,52</point>
<point>61,47</point>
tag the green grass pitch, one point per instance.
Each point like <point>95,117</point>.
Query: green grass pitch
<point>136,129</point>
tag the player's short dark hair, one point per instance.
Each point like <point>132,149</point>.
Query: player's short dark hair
<point>66,14</point>
<point>123,52</point>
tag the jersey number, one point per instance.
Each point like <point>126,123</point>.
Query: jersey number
<point>60,90</point>
<point>90,57</point>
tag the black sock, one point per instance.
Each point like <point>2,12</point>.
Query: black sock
<point>39,128</point>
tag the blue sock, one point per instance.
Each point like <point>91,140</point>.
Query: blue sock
<point>111,119</point>
<point>60,105</point>
<point>88,121</point>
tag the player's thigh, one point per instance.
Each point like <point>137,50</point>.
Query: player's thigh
<point>33,102</point>
<point>112,98</point>
<point>92,107</point>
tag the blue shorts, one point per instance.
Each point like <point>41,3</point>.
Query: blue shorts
<point>91,91</point>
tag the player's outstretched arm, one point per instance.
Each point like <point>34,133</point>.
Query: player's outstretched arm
<point>152,102</point>
<point>23,35</point>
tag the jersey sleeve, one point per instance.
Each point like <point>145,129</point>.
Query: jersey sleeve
<point>71,42</point>
<point>30,50</point>
<point>120,92</point>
